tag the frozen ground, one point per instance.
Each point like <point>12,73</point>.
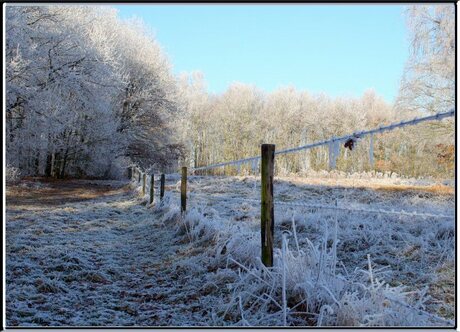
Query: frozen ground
<point>95,261</point>
<point>92,253</point>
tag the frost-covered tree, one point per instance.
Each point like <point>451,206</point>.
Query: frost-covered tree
<point>86,93</point>
<point>428,83</point>
<point>429,78</point>
<point>53,75</point>
<point>149,104</point>
<point>194,127</point>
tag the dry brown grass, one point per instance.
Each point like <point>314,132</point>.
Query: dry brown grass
<point>437,189</point>
<point>388,185</point>
<point>56,192</point>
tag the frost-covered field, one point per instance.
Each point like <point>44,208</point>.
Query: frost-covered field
<point>108,259</point>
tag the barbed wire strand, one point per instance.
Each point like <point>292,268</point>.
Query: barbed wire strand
<point>342,208</point>
<point>357,134</point>
<point>328,207</point>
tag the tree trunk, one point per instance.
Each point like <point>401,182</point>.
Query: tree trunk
<point>195,161</point>
<point>64,161</point>
<point>48,166</point>
<point>53,161</point>
<point>37,163</point>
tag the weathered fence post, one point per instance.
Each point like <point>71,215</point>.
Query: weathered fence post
<point>130,173</point>
<point>152,179</point>
<point>139,175</point>
<point>162,186</point>
<point>183,190</point>
<point>267,213</point>
<point>144,180</point>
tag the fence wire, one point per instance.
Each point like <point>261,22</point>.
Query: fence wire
<point>357,134</point>
<point>343,208</point>
<point>336,207</point>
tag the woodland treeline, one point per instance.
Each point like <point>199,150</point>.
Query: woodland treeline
<point>89,94</point>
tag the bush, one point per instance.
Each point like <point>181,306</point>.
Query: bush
<point>12,174</point>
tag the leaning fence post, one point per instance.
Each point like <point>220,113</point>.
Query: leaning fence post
<point>162,186</point>
<point>152,179</point>
<point>183,190</point>
<point>267,213</point>
<point>144,178</point>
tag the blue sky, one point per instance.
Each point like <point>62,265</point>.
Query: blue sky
<point>340,50</point>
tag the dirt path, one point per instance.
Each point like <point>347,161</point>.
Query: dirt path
<point>87,253</point>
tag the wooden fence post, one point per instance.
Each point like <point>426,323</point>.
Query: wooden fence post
<point>183,190</point>
<point>144,180</point>
<point>267,213</point>
<point>152,179</point>
<point>162,186</point>
<point>139,175</point>
<point>130,173</point>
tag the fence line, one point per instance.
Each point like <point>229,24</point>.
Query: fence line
<point>267,201</point>
<point>320,206</point>
<point>357,134</point>
<point>333,207</point>
<point>267,162</point>
<point>343,208</point>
